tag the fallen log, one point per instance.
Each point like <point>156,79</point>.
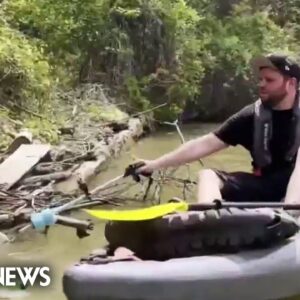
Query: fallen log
<point>103,153</point>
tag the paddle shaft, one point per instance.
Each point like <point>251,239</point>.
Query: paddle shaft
<point>222,204</point>
<point>80,198</point>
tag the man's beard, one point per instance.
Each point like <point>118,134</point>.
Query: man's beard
<point>274,100</point>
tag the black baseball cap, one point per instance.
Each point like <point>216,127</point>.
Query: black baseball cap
<point>282,63</point>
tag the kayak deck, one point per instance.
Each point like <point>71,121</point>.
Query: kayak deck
<point>271,273</point>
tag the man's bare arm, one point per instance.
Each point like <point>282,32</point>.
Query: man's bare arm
<point>190,151</point>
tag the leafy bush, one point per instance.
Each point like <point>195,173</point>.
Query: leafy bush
<point>24,70</point>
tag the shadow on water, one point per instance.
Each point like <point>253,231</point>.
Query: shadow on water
<point>61,247</point>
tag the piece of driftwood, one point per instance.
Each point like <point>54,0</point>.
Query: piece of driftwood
<point>82,227</point>
<point>47,178</point>
<point>8,221</point>
<point>67,130</point>
<point>21,139</point>
<point>21,162</point>
<point>92,204</point>
<point>21,221</point>
<point>82,157</point>
<point>5,218</point>
<point>46,168</point>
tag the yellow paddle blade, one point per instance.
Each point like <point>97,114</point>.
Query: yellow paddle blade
<point>138,214</point>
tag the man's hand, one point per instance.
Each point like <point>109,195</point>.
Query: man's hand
<point>139,168</point>
<point>147,167</point>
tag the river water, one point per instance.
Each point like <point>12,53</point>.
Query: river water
<point>61,247</point>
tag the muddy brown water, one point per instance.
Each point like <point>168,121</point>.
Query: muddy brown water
<point>61,247</point>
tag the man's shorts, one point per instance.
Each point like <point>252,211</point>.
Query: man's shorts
<point>247,187</point>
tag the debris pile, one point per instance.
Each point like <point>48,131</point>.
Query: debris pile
<point>30,172</point>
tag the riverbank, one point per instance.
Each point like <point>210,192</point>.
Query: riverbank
<point>48,174</point>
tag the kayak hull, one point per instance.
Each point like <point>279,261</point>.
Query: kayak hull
<point>266,274</point>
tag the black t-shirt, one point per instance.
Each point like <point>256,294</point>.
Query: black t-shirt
<point>239,130</point>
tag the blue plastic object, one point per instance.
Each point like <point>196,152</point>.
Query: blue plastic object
<point>42,219</point>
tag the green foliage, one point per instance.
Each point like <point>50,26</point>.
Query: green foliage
<point>43,129</point>
<point>24,71</point>
<point>67,30</point>
<point>167,66</point>
<point>234,40</point>
<point>134,94</point>
<point>7,128</point>
<point>105,113</point>
<point>182,22</point>
<point>230,38</point>
<point>148,51</point>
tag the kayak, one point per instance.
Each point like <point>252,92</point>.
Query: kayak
<point>265,272</point>
<point>195,233</point>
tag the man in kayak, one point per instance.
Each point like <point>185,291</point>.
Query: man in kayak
<point>269,129</point>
